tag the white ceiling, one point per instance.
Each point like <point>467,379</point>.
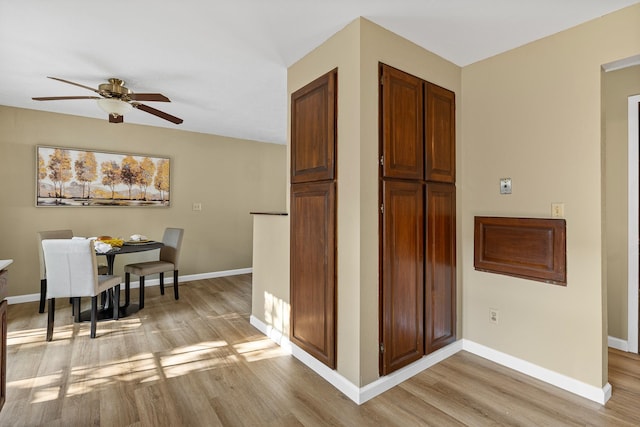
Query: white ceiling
<point>223,63</point>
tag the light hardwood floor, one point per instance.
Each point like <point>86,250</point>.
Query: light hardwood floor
<point>198,362</point>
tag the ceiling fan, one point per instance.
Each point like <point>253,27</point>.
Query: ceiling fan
<point>116,99</point>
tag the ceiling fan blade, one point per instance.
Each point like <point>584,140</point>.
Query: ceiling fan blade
<point>158,97</point>
<point>161,114</point>
<point>75,84</point>
<point>58,98</point>
<point>115,119</point>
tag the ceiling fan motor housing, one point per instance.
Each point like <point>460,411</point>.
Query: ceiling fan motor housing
<point>114,89</point>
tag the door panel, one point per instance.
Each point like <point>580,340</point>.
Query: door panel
<point>440,283</point>
<point>313,130</point>
<point>402,293</point>
<point>401,115</point>
<point>313,283</point>
<point>440,145</point>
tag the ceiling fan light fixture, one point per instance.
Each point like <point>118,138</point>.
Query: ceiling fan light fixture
<point>115,107</point>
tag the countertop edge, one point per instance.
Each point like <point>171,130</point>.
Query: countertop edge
<point>270,213</point>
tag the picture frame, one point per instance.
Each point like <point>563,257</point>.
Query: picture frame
<point>73,177</point>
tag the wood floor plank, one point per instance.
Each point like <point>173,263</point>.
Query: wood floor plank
<point>197,361</point>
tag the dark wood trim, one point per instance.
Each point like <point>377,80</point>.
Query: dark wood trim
<point>530,248</point>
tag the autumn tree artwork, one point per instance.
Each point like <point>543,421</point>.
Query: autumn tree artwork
<point>72,177</point>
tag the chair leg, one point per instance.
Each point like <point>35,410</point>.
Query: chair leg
<point>43,295</point>
<point>76,309</point>
<point>162,283</point>
<point>116,302</point>
<point>175,284</point>
<point>141,306</point>
<point>94,315</point>
<point>50,318</point>
<point>127,289</point>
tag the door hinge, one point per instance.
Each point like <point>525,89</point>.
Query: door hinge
<point>381,79</point>
<point>382,209</point>
<point>381,160</point>
<point>381,348</point>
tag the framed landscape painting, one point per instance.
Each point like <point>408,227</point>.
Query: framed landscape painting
<point>74,177</point>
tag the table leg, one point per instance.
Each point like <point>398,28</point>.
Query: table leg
<point>111,258</point>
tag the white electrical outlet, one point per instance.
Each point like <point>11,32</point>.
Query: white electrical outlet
<point>557,210</point>
<point>493,315</point>
<point>197,206</point>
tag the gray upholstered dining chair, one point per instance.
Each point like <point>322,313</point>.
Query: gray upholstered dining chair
<point>168,261</point>
<point>72,272</point>
<point>42,235</point>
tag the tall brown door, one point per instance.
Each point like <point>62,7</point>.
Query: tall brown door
<point>313,218</point>
<point>440,283</point>
<point>403,276</point>
<point>313,269</point>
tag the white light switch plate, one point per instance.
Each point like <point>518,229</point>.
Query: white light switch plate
<point>505,186</point>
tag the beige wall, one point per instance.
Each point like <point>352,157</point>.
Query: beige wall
<point>356,51</point>
<point>342,51</point>
<point>617,87</point>
<point>534,114</point>
<point>230,177</point>
<point>270,280</point>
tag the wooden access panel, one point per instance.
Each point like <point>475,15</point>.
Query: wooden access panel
<point>401,117</point>
<point>313,282</point>
<point>402,293</point>
<point>440,128</point>
<point>530,248</point>
<point>440,271</point>
<point>313,130</point>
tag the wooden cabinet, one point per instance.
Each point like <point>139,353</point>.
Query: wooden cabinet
<point>440,266</point>
<point>403,277</point>
<point>313,218</point>
<point>313,290</point>
<point>401,106</point>
<point>313,130</point>
<point>440,134</point>
<point>417,217</point>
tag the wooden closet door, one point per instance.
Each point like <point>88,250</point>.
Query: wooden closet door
<point>313,282</point>
<point>401,117</point>
<point>313,130</point>
<point>440,134</point>
<point>440,272</point>
<point>402,293</point>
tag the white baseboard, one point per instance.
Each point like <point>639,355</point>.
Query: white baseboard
<point>618,344</point>
<point>358,394</point>
<point>168,279</point>
<point>600,395</point>
<point>271,332</point>
<point>361,394</point>
<point>387,382</point>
